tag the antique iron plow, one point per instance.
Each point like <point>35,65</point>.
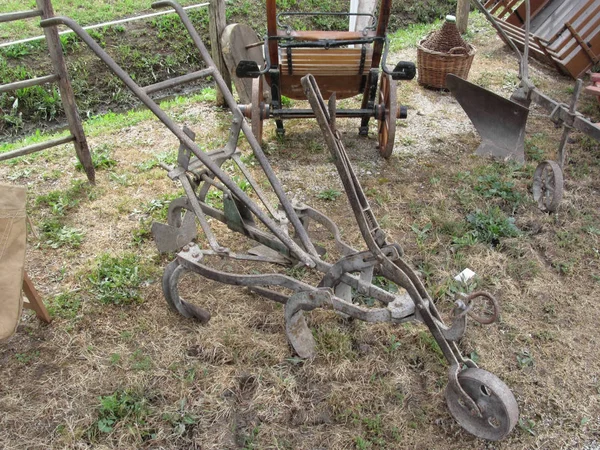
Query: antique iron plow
<point>501,122</point>
<point>478,400</point>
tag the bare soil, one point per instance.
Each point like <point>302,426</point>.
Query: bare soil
<point>235,383</point>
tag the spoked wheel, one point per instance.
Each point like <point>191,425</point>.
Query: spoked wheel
<point>548,186</point>
<point>387,115</point>
<point>499,410</point>
<point>258,108</point>
<point>170,280</point>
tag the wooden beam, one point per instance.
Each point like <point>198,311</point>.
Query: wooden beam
<point>216,25</point>
<point>462,15</point>
<point>35,301</point>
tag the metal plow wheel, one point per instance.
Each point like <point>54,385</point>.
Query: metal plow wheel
<point>285,236</point>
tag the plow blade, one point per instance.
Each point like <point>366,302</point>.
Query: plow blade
<point>500,122</point>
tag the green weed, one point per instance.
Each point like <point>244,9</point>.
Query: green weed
<point>60,202</point>
<point>329,195</point>
<point>117,280</point>
<point>410,35</point>
<point>524,359</point>
<point>26,358</point>
<point>491,225</point>
<point>65,305</point>
<point>493,186</point>
<point>101,158</point>
<point>56,235</point>
<point>334,342</point>
<point>124,407</point>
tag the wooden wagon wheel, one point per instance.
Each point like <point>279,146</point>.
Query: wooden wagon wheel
<point>258,108</point>
<point>548,186</point>
<point>387,114</point>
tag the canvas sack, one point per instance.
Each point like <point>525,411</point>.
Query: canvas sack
<point>12,256</point>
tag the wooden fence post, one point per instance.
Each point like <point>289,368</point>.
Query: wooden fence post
<point>462,15</point>
<point>216,24</point>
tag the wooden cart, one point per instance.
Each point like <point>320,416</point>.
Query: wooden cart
<point>344,64</point>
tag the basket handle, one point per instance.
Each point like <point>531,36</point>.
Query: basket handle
<point>458,51</point>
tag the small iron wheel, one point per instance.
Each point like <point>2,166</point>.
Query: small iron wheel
<point>258,106</point>
<point>389,112</point>
<point>548,186</point>
<point>497,404</point>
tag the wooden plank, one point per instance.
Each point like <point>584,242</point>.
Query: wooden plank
<point>326,58</point>
<point>344,87</point>
<point>462,15</point>
<point>216,25</point>
<point>580,28</point>
<point>272,31</point>
<point>330,51</point>
<point>518,15</point>
<point>28,83</point>
<point>20,15</point>
<point>329,35</point>
<point>36,148</point>
<point>35,300</point>
<point>66,92</point>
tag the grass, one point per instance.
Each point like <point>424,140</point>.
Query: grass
<point>329,195</point>
<point>491,225</point>
<point>56,235</point>
<point>79,10</point>
<point>117,280</point>
<point>141,376</point>
<point>65,305</point>
<point>125,408</point>
<point>60,202</point>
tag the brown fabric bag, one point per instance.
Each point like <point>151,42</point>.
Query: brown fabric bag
<point>13,234</point>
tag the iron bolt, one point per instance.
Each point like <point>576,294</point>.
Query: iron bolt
<point>186,248</point>
<point>195,255</point>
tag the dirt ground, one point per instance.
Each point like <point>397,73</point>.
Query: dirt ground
<point>235,382</point>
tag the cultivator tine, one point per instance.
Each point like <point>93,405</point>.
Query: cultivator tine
<point>297,331</point>
<point>499,122</point>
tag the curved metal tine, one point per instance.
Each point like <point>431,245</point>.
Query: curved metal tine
<point>189,143</point>
<point>258,152</point>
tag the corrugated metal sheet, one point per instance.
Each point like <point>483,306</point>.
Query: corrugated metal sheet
<point>565,33</point>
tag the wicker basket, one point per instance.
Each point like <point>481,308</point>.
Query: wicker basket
<point>434,66</point>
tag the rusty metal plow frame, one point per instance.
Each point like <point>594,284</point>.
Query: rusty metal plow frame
<point>478,400</point>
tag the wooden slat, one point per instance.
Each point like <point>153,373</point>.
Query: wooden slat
<point>36,148</point>
<point>28,83</point>
<point>518,15</point>
<point>338,60</point>
<point>334,62</point>
<point>329,35</point>
<point>35,300</point>
<point>344,87</point>
<point>20,15</point>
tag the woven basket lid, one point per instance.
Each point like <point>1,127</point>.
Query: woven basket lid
<point>446,38</point>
